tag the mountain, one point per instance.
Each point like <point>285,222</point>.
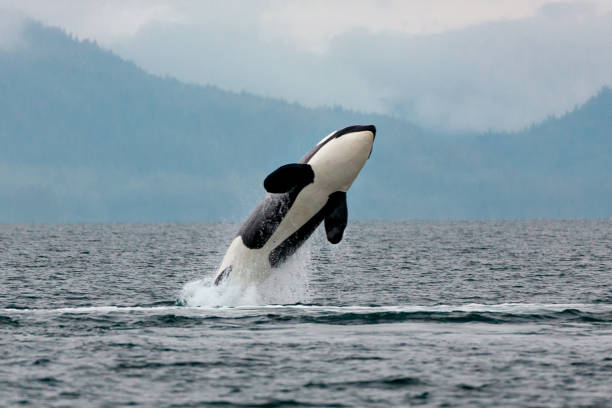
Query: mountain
<point>87,136</point>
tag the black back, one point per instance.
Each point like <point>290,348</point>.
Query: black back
<point>266,217</point>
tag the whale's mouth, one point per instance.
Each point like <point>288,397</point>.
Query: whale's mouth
<point>338,134</point>
<point>354,129</point>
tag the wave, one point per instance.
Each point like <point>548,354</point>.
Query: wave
<point>381,383</point>
<point>467,307</point>
<point>177,315</point>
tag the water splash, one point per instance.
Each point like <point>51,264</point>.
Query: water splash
<point>288,284</point>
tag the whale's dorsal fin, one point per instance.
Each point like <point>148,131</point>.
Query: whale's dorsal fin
<point>335,221</point>
<point>288,176</point>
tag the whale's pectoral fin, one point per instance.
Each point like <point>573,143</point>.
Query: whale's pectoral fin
<point>288,176</point>
<point>335,221</point>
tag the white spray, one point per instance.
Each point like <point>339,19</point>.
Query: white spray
<point>287,285</point>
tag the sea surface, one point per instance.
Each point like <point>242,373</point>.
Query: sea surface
<point>444,314</point>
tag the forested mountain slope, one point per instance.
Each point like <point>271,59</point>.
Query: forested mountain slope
<point>87,136</point>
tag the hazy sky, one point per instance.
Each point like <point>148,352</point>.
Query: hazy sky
<point>460,65</point>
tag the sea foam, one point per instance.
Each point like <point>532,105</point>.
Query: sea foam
<point>287,284</point>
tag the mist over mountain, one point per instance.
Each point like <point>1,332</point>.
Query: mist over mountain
<point>87,136</point>
<point>501,74</point>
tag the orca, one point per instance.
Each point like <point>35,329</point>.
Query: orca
<point>300,196</point>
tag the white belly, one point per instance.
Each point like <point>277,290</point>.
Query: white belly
<point>253,265</point>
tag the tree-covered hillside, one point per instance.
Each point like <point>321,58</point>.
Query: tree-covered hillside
<point>87,136</point>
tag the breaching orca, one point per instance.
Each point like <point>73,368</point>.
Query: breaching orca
<point>299,197</point>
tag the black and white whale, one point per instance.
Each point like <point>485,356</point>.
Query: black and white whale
<point>299,197</point>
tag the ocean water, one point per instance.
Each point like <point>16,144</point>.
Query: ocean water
<point>448,314</point>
